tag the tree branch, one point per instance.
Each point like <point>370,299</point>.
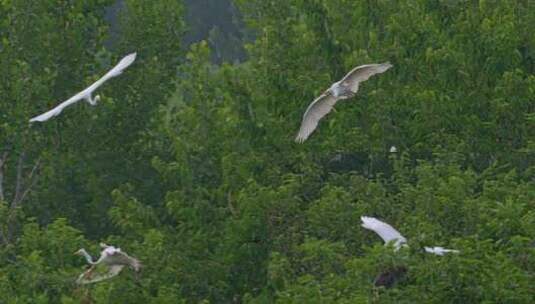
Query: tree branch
<point>2,162</point>
<point>20,193</point>
<point>18,185</point>
<point>31,178</point>
<point>233,210</point>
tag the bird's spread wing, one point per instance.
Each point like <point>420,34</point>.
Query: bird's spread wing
<point>115,71</point>
<point>55,111</point>
<point>106,252</point>
<point>315,111</point>
<point>121,258</point>
<point>385,231</point>
<point>363,73</point>
<point>88,276</point>
<point>439,250</point>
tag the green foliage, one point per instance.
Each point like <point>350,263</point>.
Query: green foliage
<point>191,167</point>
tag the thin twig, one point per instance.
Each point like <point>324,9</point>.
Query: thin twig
<point>31,179</point>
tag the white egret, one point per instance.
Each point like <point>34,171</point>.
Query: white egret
<point>390,276</point>
<point>114,259</point>
<point>385,231</point>
<point>389,234</point>
<point>86,94</point>
<point>346,88</point>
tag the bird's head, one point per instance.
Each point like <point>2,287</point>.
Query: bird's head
<point>80,252</point>
<point>96,99</point>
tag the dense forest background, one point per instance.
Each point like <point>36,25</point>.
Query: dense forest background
<point>188,162</point>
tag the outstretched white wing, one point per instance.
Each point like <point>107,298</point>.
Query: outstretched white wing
<point>115,71</point>
<point>117,256</point>
<point>385,231</point>
<point>122,258</point>
<point>87,277</point>
<point>363,73</point>
<point>55,111</point>
<point>439,250</point>
<point>320,107</point>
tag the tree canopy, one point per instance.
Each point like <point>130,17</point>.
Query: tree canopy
<point>190,166</point>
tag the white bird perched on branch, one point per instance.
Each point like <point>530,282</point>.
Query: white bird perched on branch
<point>389,234</point>
<point>112,258</point>
<point>343,89</point>
<point>86,94</point>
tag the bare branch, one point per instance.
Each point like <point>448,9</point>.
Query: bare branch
<point>31,180</point>
<point>20,192</point>
<point>4,238</point>
<point>18,185</point>
<point>3,159</point>
<point>231,207</point>
<point>2,162</point>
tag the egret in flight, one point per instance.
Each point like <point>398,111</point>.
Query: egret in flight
<point>114,259</point>
<point>343,89</point>
<point>389,234</point>
<point>86,94</point>
<point>390,276</point>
